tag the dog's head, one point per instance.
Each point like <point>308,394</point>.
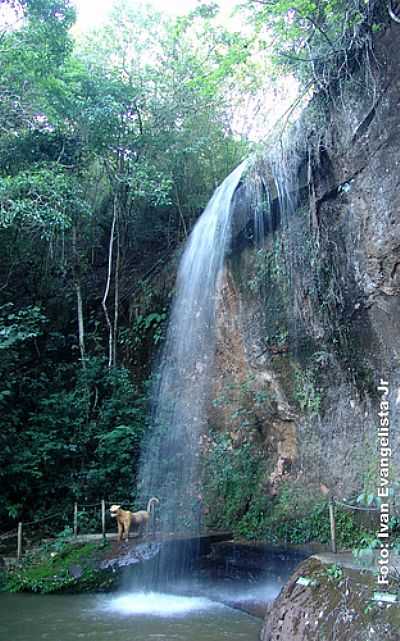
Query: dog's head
<point>114,510</point>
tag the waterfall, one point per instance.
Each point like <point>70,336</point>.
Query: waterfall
<point>169,466</point>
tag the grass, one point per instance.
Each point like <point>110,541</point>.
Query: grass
<point>50,569</point>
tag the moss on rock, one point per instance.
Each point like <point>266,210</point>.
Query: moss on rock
<point>335,605</point>
<point>66,567</point>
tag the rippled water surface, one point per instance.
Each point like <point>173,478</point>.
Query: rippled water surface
<point>122,617</point>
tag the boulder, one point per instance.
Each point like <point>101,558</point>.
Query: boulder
<point>330,603</point>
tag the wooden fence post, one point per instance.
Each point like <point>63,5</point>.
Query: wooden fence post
<point>103,518</point>
<point>75,519</point>
<point>19,544</point>
<point>333,524</point>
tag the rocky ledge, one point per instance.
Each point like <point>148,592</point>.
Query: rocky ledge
<point>329,602</point>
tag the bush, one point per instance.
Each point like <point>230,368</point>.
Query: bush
<point>59,440</point>
<point>313,526</point>
<point>231,482</point>
<point>236,500</point>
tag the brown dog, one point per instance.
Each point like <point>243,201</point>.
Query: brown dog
<point>126,518</point>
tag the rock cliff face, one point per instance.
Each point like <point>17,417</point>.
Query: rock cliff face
<point>337,604</point>
<point>309,319</point>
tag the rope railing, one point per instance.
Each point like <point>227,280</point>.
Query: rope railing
<point>50,517</point>
<point>78,510</point>
<point>45,518</point>
<point>8,535</point>
<point>110,502</point>
<point>332,504</point>
<point>357,507</point>
<point>85,505</point>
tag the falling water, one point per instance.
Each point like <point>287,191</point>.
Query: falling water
<point>170,460</point>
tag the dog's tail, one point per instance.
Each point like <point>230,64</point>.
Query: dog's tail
<point>151,502</point>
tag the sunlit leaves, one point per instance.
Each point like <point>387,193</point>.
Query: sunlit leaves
<point>44,198</point>
<point>313,38</point>
<point>39,38</point>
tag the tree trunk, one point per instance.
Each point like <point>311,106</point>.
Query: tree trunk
<point>116,298</point>
<point>78,290</point>
<point>107,289</point>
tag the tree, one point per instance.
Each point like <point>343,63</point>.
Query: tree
<point>316,40</point>
<point>108,153</point>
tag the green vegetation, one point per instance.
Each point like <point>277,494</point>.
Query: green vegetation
<point>305,391</point>
<point>61,567</point>
<point>236,499</point>
<point>269,267</point>
<point>335,572</point>
<point>105,165</point>
<point>231,478</point>
<point>320,42</point>
<point>241,402</point>
<point>77,420</point>
<point>311,525</point>
<point>110,146</point>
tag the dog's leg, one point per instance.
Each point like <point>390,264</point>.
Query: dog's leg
<point>127,525</point>
<point>146,522</point>
<point>120,530</point>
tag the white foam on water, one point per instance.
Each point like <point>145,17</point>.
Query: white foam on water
<point>158,604</point>
<point>266,592</point>
<point>236,594</point>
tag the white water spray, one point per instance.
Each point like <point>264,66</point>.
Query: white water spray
<point>169,466</point>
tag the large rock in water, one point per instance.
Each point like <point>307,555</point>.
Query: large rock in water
<point>337,606</point>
